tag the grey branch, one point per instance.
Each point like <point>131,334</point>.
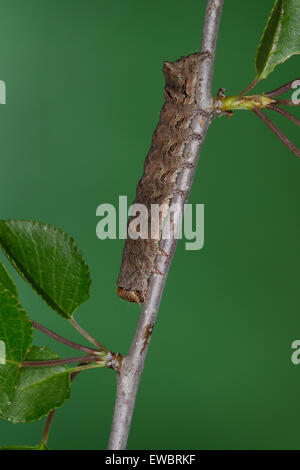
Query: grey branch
<point>129,377</point>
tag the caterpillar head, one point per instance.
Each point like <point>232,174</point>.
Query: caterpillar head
<point>181,77</point>
<point>131,295</point>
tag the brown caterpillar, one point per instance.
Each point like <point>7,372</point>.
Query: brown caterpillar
<point>163,163</point>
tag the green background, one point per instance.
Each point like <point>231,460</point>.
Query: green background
<point>84,89</point>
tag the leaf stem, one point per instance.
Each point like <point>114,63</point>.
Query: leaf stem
<point>59,338</point>
<point>86,335</point>
<point>47,427</point>
<point>284,113</point>
<point>57,362</point>
<point>286,103</point>
<point>282,89</point>
<point>91,365</point>
<point>250,86</point>
<point>276,131</point>
<point>51,414</point>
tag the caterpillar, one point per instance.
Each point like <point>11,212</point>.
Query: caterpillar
<point>163,163</point>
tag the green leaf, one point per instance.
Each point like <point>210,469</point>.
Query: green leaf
<point>15,341</point>
<point>280,39</point>
<point>6,281</point>
<point>50,261</point>
<point>40,389</point>
<point>39,447</point>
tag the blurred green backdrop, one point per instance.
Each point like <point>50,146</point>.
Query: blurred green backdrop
<point>84,90</point>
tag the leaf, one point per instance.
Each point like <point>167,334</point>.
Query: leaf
<point>49,260</point>
<point>39,447</point>
<point>6,281</point>
<point>280,39</point>
<point>40,389</point>
<point>15,341</point>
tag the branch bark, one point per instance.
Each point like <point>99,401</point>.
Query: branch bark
<point>129,377</point>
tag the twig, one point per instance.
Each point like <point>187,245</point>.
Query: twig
<point>59,338</point>
<point>129,377</point>
<point>86,335</point>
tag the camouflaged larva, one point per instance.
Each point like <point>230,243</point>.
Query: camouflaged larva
<point>163,163</point>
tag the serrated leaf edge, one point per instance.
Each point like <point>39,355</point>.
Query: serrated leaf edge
<point>68,372</point>
<point>55,407</point>
<point>15,294</point>
<point>32,284</point>
<point>20,309</point>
